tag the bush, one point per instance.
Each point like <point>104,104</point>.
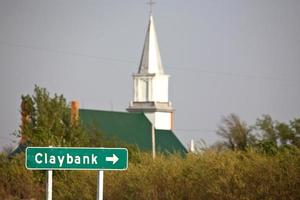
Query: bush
<point>16,182</point>
<point>210,175</point>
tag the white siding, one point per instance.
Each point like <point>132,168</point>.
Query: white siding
<point>160,88</point>
<point>161,120</point>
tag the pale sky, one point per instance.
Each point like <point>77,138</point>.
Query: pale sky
<point>224,56</point>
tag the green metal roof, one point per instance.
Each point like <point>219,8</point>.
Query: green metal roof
<point>132,128</point>
<point>166,141</point>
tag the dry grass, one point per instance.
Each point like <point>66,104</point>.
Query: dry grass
<point>210,175</point>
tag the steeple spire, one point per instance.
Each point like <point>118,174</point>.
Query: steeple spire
<point>150,60</point>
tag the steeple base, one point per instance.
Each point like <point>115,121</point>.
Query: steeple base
<point>150,106</point>
<point>160,114</point>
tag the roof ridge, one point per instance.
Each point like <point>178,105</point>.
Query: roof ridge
<point>108,111</point>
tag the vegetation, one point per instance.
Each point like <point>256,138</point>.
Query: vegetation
<point>210,175</point>
<point>266,136</point>
<point>261,161</point>
<point>46,121</point>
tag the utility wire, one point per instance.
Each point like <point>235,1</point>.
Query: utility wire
<point>65,52</point>
<point>249,76</point>
<point>195,130</point>
<point>186,69</point>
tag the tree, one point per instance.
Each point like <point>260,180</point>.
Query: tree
<point>46,121</point>
<point>295,127</point>
<point>285,133</point>
<point>235,132</point>
<point>267,129</point>
<point>279,134</point>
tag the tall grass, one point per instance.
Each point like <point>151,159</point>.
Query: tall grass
<point>209,175</point>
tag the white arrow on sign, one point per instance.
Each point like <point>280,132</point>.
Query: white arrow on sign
<point>113,159</point>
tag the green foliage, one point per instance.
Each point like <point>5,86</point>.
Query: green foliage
<point>70,185</point>
<point>266,136</point>
<point>295,128</point>
<point>267,126</point>
<point>279,133</point>
<point>16,182</point>
<point>210,175</point>
<point>46,121</point>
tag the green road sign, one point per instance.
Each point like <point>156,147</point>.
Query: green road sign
<point>72,158</point>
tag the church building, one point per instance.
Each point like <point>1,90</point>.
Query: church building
<point>148,124</point>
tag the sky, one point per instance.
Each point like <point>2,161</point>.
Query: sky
<point>224,56</point>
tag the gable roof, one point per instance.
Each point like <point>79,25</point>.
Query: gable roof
<point>132,128</point>
<point>166,141</point>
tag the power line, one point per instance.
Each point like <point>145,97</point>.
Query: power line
<point>195,130</point>
<point>65,52</point>
<point>186,69</point>
<point>248,76</point>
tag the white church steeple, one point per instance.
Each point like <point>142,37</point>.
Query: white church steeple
<point>150,83</point>
<point>150,60</point>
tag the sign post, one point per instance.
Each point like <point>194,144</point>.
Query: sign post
<point>72,158</point>
<point>100,185</point>
<point>49,185</point>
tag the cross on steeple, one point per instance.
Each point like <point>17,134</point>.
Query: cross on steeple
<point>151,4</point>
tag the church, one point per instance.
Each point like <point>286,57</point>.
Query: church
<point>148,124</point>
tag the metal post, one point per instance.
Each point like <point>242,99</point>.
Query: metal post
<point>153,142</point>
<point>49,185</point>
<point>100,183</point>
